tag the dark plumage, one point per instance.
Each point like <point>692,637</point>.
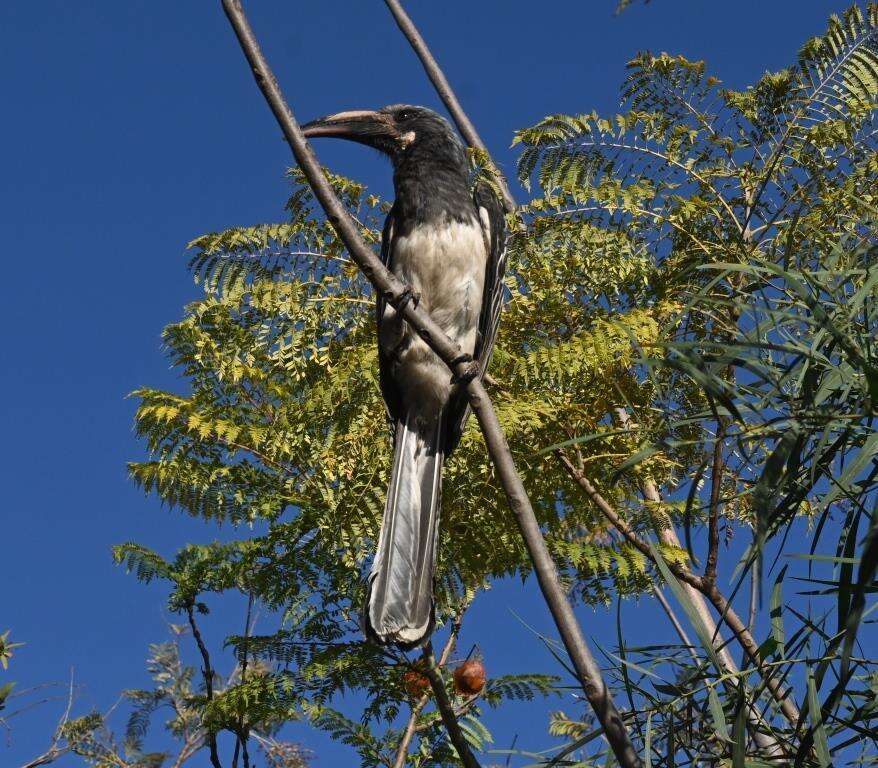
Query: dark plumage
<point>446,241</point>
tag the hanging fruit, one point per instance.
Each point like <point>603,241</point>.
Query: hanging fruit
<point>469,678</point>
<point>415,682</point>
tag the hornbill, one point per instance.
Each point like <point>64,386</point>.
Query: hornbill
<point>446,242</point>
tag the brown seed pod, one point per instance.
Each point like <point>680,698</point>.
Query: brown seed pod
<point>415,682</point>
<point>469,678</point>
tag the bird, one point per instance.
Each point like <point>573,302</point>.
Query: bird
<point>445,239</point>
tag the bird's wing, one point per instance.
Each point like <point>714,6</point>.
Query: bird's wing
<point>493,224</point>
<point>389,388</point>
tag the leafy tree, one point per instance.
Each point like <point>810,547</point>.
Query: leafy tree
<point>175,691</point>
<point>687,354</point>
<point>755,209</point>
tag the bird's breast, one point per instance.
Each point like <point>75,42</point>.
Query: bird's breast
<point>445,263</point>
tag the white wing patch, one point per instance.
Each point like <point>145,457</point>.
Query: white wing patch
<point>485,219</point>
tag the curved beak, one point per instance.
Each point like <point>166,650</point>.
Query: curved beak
<point>364,126</point>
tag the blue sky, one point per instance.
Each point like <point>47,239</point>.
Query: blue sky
<point>129,128</point>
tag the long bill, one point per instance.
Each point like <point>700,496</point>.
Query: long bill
<point>362,125</point>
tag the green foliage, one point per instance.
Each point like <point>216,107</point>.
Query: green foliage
<point>756,211</point>
<point>694,278</point>
<point>6,649</point>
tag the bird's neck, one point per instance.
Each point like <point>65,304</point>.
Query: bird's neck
<point>432,185</point>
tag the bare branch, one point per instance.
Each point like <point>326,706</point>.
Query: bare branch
<point>618,522</point>
<point>449,716</point>
<point>751,648</point>
<point>55,749</point>
<point>241,735</point>
<point>715,488</point>
<point>207,671</point>
<point>393,290</point>
<point>411,727</point>
<point>444,90</point>
<point>668,535</point>
<point>708,589</point>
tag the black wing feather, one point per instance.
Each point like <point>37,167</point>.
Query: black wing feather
<point>489,211</point>
<point>389,388</point>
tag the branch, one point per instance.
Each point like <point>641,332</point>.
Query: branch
<point>449,716</point>
<point>767,742</point>
<point>403,750</point>
<point>241,736</point>
<point>678,627</point>
<point>207,671</point>
<point>395,293</point>
<point>619,523</point>
<point>445,91</point>
<point>751,648</point>
<point>55,750</point>
<point>708,589</point>
<point>715,488</point>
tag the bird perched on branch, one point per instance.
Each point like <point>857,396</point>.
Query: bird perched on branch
<point>446,242</point>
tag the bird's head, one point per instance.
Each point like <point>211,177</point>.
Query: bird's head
<point>396,131</point>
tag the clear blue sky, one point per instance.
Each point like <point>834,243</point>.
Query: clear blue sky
<point>130,127</point>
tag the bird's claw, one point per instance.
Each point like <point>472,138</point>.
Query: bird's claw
<point>470,372</point>
<point>408,295</point>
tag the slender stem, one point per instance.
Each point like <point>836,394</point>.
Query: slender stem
<point>668,535</point>
<point>443,704</point>
<point>444,89</point>
<point>619,523</point>
<point>403,749</point>
<point>709,590</point>
<point>675,622</point>
<point>745,639</point>
<point>715,488</point>
<point>393,290</point>
<point>55,750</point>
<point>755,577</point>
<point>207,671</point>
<point>241,735</point>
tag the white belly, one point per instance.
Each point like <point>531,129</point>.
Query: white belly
<point>445,264</point>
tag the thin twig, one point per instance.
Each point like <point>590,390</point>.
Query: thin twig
<point>241,735</point>
<point>715,487</point>
<point>411,728</point>
<point>55,751</point>
<point>675,622</point>
<point>207,671</point>
<point>444,90</point>
<point>396,293</point>
<point>449,716</point>
<point>710,591</point>
<point>668,535</point>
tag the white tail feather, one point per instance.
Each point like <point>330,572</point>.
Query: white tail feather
<point>400,608</point>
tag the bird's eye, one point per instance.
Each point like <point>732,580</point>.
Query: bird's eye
<point>405,114</point>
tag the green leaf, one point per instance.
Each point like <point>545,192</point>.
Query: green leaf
<point>716,712</point>
<point>686,602</point>
<point>821,743</point>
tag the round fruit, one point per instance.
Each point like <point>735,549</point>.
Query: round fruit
<point>416,684</point>
<point>469,678</point>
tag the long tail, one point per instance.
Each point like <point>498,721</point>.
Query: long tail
<point>400,604</point>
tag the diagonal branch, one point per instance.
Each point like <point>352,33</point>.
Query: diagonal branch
<point>412,727</point>
<point>207,671</point>
<point>668,536</point>
<point>708,589</point>
<point>393,290</point>
<point>449,716</point>
<point>445,91</point>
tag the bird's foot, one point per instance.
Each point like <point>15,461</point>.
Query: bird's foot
<point>408,295</point>
<point>472,369</point>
